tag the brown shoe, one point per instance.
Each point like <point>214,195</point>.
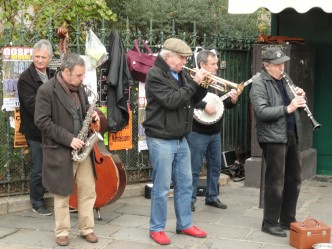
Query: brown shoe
<point>90,237</point>
<point>62,241</point>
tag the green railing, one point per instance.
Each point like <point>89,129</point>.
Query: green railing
<point>14,162</point>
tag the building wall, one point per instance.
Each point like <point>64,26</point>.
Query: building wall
<point>315,27</point>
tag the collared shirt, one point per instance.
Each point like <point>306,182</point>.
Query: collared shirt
<point>175,74</point>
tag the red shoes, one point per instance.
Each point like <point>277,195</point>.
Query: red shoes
<point>160,237</point>
<point>193,231</point>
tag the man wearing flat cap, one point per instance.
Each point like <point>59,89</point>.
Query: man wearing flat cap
<point>278,129</point>
<point>171,94</point>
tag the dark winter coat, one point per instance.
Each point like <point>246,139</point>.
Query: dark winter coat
<point>53,117</point>
<point>27,87</point>
<point>169,109</point>
<point>118,80</point>
<point>270,111</point>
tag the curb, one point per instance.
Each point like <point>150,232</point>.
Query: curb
<point>20,203</point>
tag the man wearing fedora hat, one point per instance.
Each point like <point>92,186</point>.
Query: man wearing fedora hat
<point>171,95</point>
<point>278,129</point>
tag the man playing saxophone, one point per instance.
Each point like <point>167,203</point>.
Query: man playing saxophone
<point>61,108</point>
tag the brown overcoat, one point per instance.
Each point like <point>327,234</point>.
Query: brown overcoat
<point>54,119</point>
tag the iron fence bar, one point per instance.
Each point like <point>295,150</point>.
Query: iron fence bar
<point>22,31</point>
<point>23,170</point>
<point>78,34</point>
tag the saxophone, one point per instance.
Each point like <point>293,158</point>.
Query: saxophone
<point>79,155</point>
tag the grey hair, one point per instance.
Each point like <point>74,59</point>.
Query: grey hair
<point>70,60</point>
<point>164,52</point>
<point>202,56</point>
<point>43,45</point>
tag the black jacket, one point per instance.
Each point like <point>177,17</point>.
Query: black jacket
<point>169,109</point>
<point>118,80</point>
<point>27,87</point>
<point>269,110</point>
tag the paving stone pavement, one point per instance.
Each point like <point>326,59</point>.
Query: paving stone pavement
<point>125,223</point>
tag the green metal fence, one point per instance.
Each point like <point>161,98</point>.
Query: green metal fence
<point>14,162</point>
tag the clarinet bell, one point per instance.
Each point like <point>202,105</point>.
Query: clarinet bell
<point>315,124</point>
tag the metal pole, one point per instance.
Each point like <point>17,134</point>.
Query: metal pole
<point>262,185</point>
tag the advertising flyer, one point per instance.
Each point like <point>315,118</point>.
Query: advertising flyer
<point>14,61</point>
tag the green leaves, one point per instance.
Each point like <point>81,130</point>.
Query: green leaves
<point>38,13</point>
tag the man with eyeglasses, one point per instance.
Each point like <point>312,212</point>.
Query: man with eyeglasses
<point>205,139</point>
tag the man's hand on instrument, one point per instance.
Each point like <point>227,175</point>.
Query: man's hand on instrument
<point>298,101</point>
<point>76,143</point>
<point>234,96</point>
<point>299,91</point>
<point>210,109</point>
<point>200,75</point>
<point>95,116</point>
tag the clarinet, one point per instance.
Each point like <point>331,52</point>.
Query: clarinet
<point>314,123</point>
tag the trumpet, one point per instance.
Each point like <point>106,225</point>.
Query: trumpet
<point>221,84</point>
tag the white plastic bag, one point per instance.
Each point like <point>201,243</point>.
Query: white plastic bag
<point>95,50</point>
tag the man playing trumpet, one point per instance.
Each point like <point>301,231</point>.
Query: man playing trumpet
<point>171,95</point>
<point>205,140</point>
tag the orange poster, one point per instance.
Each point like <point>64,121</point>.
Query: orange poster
<point>19,138</point>
<point>123,139</point>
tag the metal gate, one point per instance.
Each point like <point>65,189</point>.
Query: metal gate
<point>236,53</point>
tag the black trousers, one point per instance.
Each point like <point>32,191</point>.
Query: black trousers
<point>282,181</point>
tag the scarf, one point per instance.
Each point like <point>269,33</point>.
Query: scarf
<point>71,90</point>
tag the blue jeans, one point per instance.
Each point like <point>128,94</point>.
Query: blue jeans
<point>171,162</point>
<point>208,146</point>
<point>36,188</point>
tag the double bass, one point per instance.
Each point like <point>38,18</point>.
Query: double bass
<point>110,180</point>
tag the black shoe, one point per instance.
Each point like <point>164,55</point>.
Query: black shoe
<point>217,203</point>
<point>42,210</point>
<point>275,231</point>
<point>193,207</point>
<point>285,227</point>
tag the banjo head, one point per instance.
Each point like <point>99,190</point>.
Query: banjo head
<point>202,117</point>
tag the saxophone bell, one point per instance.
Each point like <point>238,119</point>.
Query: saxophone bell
<point>80,155</point>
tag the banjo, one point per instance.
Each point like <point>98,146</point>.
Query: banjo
<point>204,118</point>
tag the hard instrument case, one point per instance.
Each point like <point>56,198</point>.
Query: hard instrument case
<point>307,233</point>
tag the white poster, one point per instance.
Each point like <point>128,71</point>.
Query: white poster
<point>141,117</point>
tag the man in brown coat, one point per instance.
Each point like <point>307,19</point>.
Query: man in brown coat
<point>61,107</point>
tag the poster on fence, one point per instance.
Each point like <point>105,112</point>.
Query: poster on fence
<point>141,116</point>
<point>19,138</point>
<point>14,61</point>
<point>123,139</point>
<point>103,109</point>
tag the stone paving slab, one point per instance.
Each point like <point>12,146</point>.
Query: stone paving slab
<point>125,223</point>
